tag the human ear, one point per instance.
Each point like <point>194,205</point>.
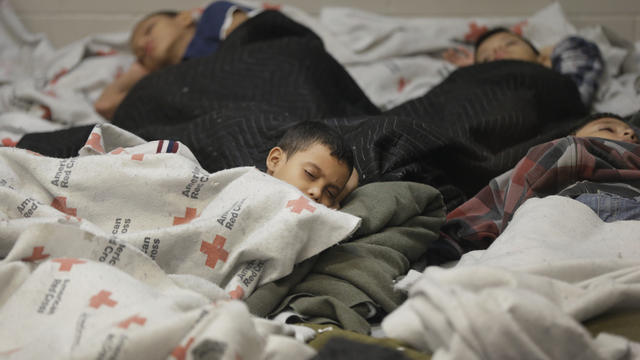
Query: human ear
<point>185,18</point>
<point>275,158</point>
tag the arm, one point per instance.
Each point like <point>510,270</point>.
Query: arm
<point>459,56</point>
<point>114,93</point>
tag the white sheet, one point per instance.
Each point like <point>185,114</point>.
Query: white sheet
<point>555,264</point>
<point>237,228</point>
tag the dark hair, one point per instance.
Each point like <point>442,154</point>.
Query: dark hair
<point>168,13</point>
<point>498,30</point>
<point>302,135</point>
<point>583,122</point>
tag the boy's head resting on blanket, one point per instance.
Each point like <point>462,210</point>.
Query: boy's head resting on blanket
<point>501,44</point>
<point>161,38</point>
<point>316,159</point>
<point>607,126</point>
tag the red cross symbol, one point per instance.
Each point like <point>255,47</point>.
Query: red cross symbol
<point>138,157</point>
<point>180,352</point>
<point>117,151</point>
<point>238,293</point>
<point>134,319</point>
<point>215,251</point>
<point>301,204</point>
<point>518,28</point>
<point>60,74</point>
<point>269,6</point>
<point>60,203</point>
<point>66,263</point>
<point>189,215</point>
<point>102,298</point>
<point>8,142</point>
<point>475,32</point>
<point>38,254</point>
<point>94,142</point>
<point>402,83</point>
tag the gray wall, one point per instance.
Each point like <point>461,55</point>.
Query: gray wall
<point>68,20</point>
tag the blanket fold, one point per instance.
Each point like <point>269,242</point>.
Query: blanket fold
<point>352,281</point>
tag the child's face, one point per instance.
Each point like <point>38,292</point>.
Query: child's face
<point>153,40</point>
<point>314,171</point>
<point>504,45</point>
<point>608,128</point>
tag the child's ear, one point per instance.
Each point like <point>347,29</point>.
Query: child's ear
<point>275,158</point>
<point>185,18</point>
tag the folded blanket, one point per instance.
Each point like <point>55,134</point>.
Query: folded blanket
<point>237,228</point>
<point>352,281</point>
<point>545,170</point>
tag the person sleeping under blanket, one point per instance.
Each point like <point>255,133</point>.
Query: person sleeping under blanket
<point>574,57</point>
<point>597,165</point>
<point>167,38</point>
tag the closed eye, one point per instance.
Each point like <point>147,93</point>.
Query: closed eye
<point>606,129</point>
<point>309,174</point>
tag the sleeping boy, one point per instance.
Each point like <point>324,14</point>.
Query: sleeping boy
<point>316,159</point>
<point>573,56</point>
<point>166,38</point>
<point>608,126</point>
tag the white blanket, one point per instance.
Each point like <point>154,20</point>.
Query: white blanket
<point>58,304</point>
<point>555,264</point>
<point>392,59</point>
<point>238,228</point>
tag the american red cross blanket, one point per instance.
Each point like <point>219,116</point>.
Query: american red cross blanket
<point>64,302</point>
<point>237,228</point>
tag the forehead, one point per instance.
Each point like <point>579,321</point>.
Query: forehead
<point>608,121</point>
<point>498,38</point>
<point>138,28</point>
<point>320,155</point>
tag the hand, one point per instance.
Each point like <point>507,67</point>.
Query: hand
<point>458,56</point>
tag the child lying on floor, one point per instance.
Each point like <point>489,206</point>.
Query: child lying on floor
<point>166,38</point>
<point>574,56</point>
<point>608,126</point>
<point>316,159</point>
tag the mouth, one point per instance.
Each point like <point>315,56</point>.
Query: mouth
<point>148,48</point>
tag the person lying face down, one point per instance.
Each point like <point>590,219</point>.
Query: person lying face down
<point>316,159</point>
<point>166,38</point>
<point>608,126</point>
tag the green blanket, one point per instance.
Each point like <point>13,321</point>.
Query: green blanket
<point>346,284</point>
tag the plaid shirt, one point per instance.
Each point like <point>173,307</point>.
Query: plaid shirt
<point>581,61</point>
<point>546,170</point>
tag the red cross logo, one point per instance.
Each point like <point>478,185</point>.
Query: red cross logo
<point>475,32</point>
<point>215,251</point>
<point>8,142</point>
<point>402,83</point>
<point>518,28</point>
<point>238,293</point>
<point>102,298</point>
<point>66,263</point>
<point>189,215</point>
<point>134,319</point>
<point>137,157</point>
<point>180,352</point>
<point>269,6</point>
<point>38,254</point>
<point>117,151</point>
<point>57,76</point>
<point>60,203</point>
<point>301,204</point>
<point>94,142</point>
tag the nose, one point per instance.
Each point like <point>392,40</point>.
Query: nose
<point>629,135</point>
<point>314,193</point>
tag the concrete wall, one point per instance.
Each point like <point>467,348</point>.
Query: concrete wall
<point>68,20</point>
